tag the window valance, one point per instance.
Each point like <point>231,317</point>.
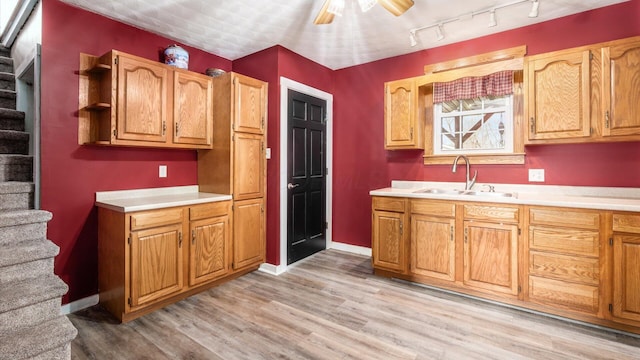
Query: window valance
<point>496,84</point>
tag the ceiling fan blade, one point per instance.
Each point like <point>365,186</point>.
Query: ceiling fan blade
<point>324,17</point>
<point>396,7</point>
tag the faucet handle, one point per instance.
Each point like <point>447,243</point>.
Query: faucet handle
<point>491,187</point>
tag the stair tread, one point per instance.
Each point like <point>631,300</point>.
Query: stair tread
<point>14,135</point>
<point>29,342</point>
<point>15,187</point>
<point>20,217</point>
<point>18,294</point>
<point>7,93</point>
<point>27,251</point>
<point>14,158</point>
<point>10,113</point>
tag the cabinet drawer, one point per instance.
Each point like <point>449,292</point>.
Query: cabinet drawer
<point>565,267</point>
<point>564,294</point>
<point>629,223</point>
<point>492,213</point>
<point>209,210</point>
<point>573,241</point>
<point>389,204</point>
<point>149,219</point>
<point>565,217</point>
<point>436,208</point>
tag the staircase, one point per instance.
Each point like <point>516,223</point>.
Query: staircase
<point>31,326</point>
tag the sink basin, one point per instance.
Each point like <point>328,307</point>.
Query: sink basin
<point>439,191</point>
<point>487,193</point>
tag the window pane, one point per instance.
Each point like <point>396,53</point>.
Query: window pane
<point>448,142</point>
<point>450,106</point>
<point>471,122</point>
<point>449,124</point>
<point>471,104</point>
<point>495,102</point>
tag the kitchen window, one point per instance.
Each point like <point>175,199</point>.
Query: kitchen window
<point>474,126</point>
<point>474,115</point>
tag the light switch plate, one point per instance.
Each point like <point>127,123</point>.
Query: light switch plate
<point>268,153</point>
<point>536,175</point>
<point>162,171</point>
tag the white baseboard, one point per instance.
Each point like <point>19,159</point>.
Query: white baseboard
<point>273,269</point>
<point>360,250</point>
<point>78,305</point>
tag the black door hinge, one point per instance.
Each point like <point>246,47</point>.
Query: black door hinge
<point>610,241</point>
<point>610,307</point>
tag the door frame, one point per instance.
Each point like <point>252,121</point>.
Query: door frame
<point>286,85</point>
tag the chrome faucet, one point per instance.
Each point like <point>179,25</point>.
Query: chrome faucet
<point>469,183</point>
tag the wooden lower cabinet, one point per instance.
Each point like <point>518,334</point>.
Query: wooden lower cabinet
<point>582,264</point>
<point>491,257</point>
<point>390,245</point>
<point>249,233</point>
<point>433,247</point>
<point>149,259</point>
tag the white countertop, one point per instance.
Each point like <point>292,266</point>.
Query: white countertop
<point>586,197</point>
<point>157,198</point>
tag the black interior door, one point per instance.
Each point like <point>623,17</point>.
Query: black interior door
<point>306,176</point>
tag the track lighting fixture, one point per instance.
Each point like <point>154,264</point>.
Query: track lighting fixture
<point>412,38</point>
<point>492,18</point>
<point>439,34</point>
<point>534,8</point>
<point>439,26</point>
<point>336,7</point>
<point>366,5</point>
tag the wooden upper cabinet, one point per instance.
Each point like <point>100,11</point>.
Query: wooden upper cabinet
<point>248,166</point>
<point>192,110</point>
<point>142,100</point>
<point>621,88</point>
<point>404,114</point>
<point>132,101</point>
<point>558,95</point>
<point>250,104</point>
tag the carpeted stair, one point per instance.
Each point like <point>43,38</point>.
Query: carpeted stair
<point>31,326</point>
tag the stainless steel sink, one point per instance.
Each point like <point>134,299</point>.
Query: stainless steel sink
<point>439,191</point>
<point>488,193</point>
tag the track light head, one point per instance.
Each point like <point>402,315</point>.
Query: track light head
<point>534,8</point>
<point>439,34</point>
<point>492,18</point>
<point>412,38</point>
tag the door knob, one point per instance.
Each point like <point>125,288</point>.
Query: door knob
<point>291,186</point>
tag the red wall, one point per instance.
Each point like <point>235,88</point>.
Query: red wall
<point>71,174</point>
<point>361,163</point>
<point>269,65</point>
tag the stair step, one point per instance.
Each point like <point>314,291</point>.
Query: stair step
<point>18,294</point>
<point>18,226</point>
<point>61,353</point>
<point>5,51</point>
<point>26,259</point>
<point>7,98</point>
<point>14,142</point>
<point>11,120</point>
<point>38,342</point>
<point>6,64</point>
<point>16,196</point>
<point>29,315</point>
<point>16,167</point>
<point>7,81</point>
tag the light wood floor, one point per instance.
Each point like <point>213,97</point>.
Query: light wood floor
<point>330,306</point>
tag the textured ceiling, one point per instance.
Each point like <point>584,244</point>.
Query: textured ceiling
<point>236,28</point>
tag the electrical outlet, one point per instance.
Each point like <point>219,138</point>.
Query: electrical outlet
<point>162,171</point>
<point>536,175</point>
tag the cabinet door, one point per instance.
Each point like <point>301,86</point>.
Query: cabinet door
<point>626,279</point>
<point>401,130</point>
<point>142,100</point>
<point>209,251</point>
<point>621,89</point>
<point>156,263</point>
<point>248,166</point>
<point>250,104</point>
<point>248,233</point>
<point>558,96</point>
<point>192,108</point>
<point>433,247</point>
<point>389,241</point>
<point>491,256</point>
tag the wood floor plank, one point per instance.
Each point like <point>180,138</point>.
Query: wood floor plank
<point>331,306</point>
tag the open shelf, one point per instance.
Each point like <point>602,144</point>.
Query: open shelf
<point>99,68</point>
<point>100,106</point>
